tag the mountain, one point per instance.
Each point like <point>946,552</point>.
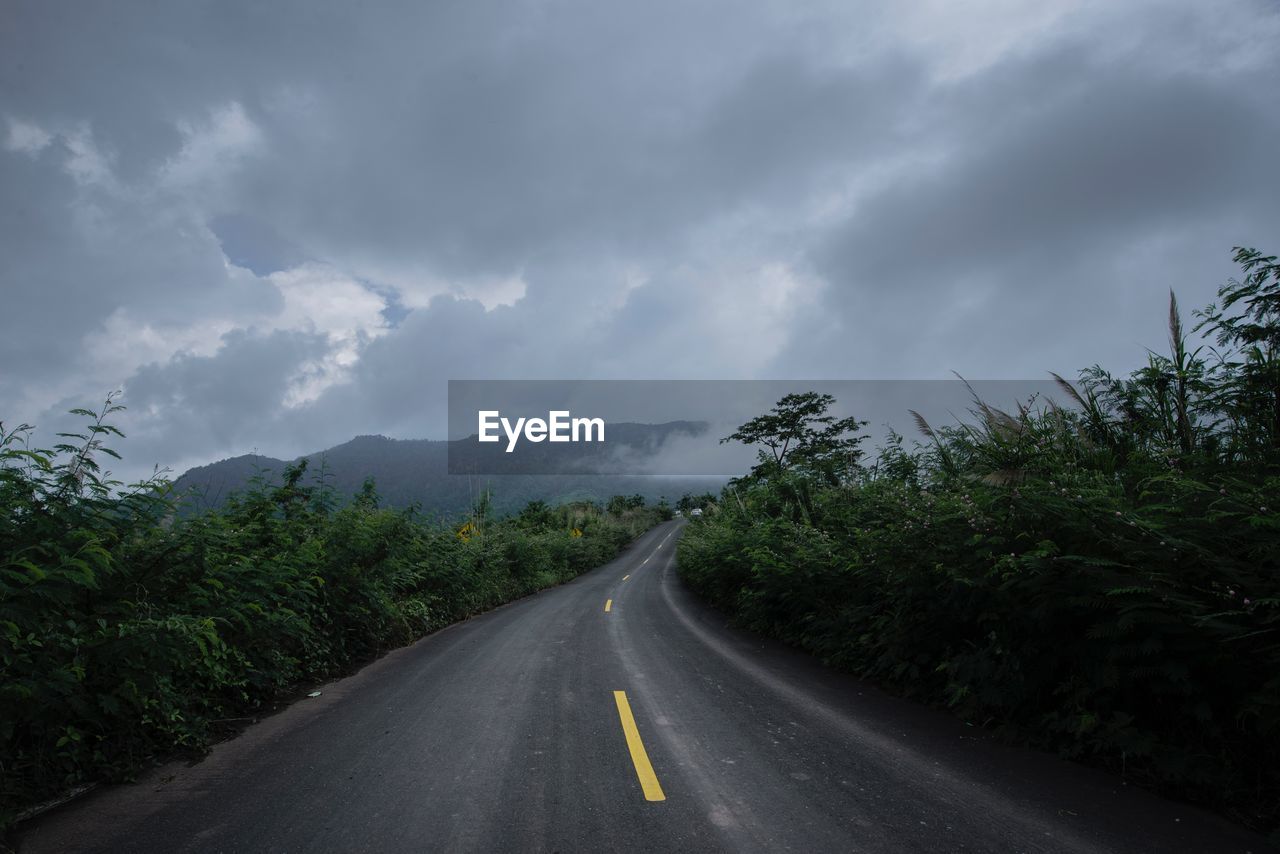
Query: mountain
<point>415,471</point>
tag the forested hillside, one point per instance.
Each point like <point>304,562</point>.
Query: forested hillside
<point>1098,576</point>
<point>414,472</point>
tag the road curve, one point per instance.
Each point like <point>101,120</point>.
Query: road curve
<point>530,728</point>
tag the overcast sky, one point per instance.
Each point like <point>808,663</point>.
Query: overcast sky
<point>279,225</point>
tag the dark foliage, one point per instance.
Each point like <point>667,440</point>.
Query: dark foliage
<point>1101,579</point>
<point>129,631</point>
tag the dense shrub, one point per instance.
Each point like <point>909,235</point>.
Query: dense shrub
<point>128,630</point>
<point>1102,579</point>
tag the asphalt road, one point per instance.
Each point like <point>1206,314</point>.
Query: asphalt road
<point>506,733</point>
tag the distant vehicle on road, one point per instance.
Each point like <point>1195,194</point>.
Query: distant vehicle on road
<point>697,511</point>
<point>679,514</point>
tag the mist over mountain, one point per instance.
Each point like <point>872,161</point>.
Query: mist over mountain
<point>411,472</point>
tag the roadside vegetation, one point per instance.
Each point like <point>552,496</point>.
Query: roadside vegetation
<point>1099,575</point>
<point>130,631</point>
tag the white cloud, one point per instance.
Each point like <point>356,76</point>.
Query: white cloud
<point>26,137</point>
<point>211,146</point>
<point>86,162</point>
<point>320,299</point>
<point>126,342</point>
<point>417,284</point>
<point>315,299</point>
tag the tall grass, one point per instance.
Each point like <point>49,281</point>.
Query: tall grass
<point>1099,576</point>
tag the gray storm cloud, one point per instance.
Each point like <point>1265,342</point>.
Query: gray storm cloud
<point>278,226</point>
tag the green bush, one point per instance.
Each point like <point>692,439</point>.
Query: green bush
<point>128,630</point>
<point>1103,580</point>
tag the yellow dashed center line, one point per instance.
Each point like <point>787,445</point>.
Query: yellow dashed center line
<point>608,604</point>
<point>625,577</point>
<point>639,758</point>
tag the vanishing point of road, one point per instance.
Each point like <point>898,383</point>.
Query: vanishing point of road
<point>617,713</point>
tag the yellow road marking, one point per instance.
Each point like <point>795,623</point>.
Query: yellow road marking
<point>625,577</point>
<point>639,758</point>
<point>608,603</point>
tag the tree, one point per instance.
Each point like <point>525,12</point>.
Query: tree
<point>799,435</point>
<point>687,501</point>
<point>620,504</point>
<point>536,515</point>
